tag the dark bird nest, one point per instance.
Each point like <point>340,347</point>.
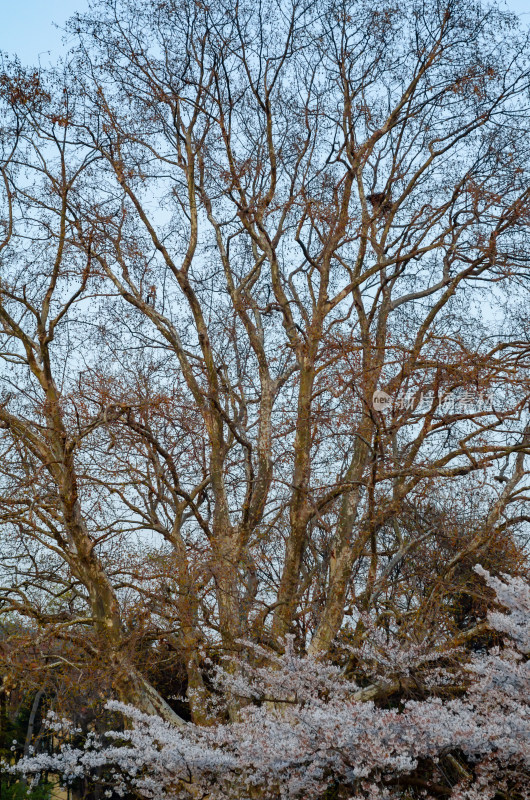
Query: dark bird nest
<point>380,202</point>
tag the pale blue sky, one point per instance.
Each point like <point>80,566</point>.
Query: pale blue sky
<point>27,26</point>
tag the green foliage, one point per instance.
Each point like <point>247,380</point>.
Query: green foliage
<point>17,790</point>
<point>13,731</point>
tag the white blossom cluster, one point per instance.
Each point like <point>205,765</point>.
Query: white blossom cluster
<point>383,654</point>
<point>304,732</point>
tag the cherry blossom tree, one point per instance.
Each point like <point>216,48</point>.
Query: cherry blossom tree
<point>306,730</point>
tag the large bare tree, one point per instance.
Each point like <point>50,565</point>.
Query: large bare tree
<point>227,226</point>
